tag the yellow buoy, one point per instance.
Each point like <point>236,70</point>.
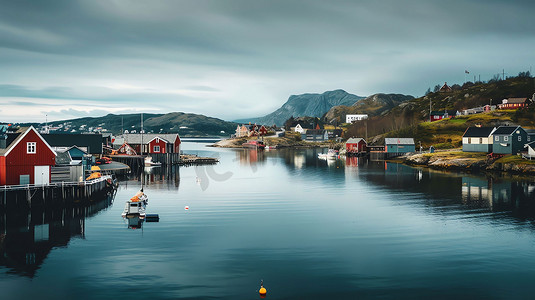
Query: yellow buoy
<point>262,290</point>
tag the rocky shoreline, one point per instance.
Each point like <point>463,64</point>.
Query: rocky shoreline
<point>475,162</point>
<point>272,142</point>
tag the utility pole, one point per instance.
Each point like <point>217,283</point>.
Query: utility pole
<point>430,108</point>
<point>503,74</point>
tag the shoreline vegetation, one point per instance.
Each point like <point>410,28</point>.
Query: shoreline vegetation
<point>456,160</point>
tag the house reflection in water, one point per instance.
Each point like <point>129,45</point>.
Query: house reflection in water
<point>496,194</point>
<point>250,157</point>
<point>26,239</point>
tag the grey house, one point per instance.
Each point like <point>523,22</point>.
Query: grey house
<point>315,135</point>
<point>478,139</point>
<point>509,139</point>
<point>399,145</point>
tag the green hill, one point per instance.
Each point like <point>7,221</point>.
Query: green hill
<point>409,119</point>
<point>184,123</point>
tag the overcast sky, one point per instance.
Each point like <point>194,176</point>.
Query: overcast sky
<point>244,58</point>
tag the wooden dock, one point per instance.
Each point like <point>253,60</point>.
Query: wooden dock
<point>193,160</point>
<point>54,194</point>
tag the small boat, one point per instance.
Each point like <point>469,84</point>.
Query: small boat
<point>135,207</point>
<point>150,163</point>
<point>331,154</point>
<point>254,144</point>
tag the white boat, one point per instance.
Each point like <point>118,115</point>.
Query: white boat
<point>331,154</point>
<point>150,163</point>
<point>135,207</point>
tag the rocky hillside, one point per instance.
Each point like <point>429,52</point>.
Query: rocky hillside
<point>408,119</point>
<point>373,105</point>
<point>311,105</point>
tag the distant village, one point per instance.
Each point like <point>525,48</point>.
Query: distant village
<point>45,155</point>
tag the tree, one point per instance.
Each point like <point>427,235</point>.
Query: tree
<point>289,123</point>
<point>437,88</point>
<point>428,91</point>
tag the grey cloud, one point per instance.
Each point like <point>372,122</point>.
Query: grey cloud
<point>52,48</point>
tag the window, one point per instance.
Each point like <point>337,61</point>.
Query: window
<point>497,138</point>
<point>519,138</point>
<point>156,149</point>
<point>505,138</point>
<point>529,138</point>
<point>30,148</point>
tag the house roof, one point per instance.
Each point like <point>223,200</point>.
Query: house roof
<point>315,131</point>
<point>93,142</point>
<point>532,144</point>
<point>14,139</point>
<point>63,158</point>
<point>478,131</point>
<point>355,140</point>
<point>506,130</point>
<point>516,100</point>
<point>400,141</point>
<point>437,113</point>
<point>157,137</point>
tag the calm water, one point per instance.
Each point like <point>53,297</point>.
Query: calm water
<point>310,229</point>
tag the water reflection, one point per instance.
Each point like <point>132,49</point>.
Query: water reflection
<point>26,238</point>
<point>497,194</point>
<point>162,177</point>
<point>134,222</point>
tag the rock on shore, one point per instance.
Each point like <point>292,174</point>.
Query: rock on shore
<point>467,161</point>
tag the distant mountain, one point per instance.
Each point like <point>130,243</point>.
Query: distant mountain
<point>184,123</point>
<point>373,105</point>
<point>311,105</point>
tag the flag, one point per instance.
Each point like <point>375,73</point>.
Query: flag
<point>466,72</point>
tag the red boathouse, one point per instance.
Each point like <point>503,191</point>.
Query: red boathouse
<point>25,158</point>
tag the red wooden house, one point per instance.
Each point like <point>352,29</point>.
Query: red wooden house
<point>263,130</point>
<point>152,143</point>
<point>158,145</point>
<point>26,158</point>
<point>514,103</point>
<point>355,145</point>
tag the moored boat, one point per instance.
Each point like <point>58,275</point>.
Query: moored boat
<point>135,207</point>
<point>331,154</point>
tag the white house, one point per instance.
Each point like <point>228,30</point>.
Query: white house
<point>352,118</point>
<point>299,129</point>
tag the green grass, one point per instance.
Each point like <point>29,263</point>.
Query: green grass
<point>515,159</point>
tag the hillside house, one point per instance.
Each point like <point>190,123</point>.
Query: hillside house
<point>478,139</point>
<point>335,134</point>
<point>471,111</point>
<point>509,140</point>
<point>262,130</point>
<point>514,103</point>
<point>25,158</point>
<point>299,128</point>
<point>353,118</point>
<point>445,88</point>
<point>531,149</point>
<point>241,131</point>
<point>355,145</point>
<point>446,114</point>
<point>399,145</point>
<point>315,135</point>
